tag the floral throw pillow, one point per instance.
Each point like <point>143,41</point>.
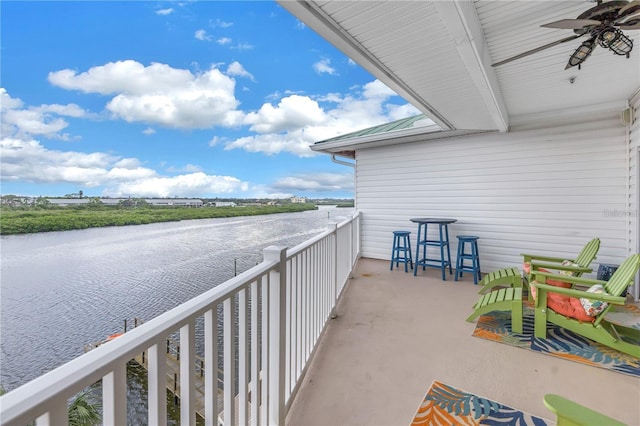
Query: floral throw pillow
<point>569,273</point>
<point>594,307</point>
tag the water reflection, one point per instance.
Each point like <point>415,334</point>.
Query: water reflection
<point>62,290</point>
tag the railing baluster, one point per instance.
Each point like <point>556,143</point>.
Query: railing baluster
<point>243,360</point>
<point>211,367</point>
<point>308,304</point>
<point>304,307</point>
<point>288,324</point>
<point>291,323</point>
<point>57,415</point>
<point>157,383</point>
<point>187,374</point>
<point>313,271</point>
<point>298,318</point>
<point>114,396</point>
<point>325,287</point>
<point>229,362</point>
<point>277,331</point>
<point>316,291</point>
<point>255,354</point>
<point>266,376</point>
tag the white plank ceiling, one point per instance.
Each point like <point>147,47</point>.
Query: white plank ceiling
<point>438,56</point>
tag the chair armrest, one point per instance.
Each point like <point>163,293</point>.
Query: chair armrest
<point>530,257</point>
<point>585,282</point>
<point>570,412</point>
<point>615,300</point>
<point>535,265</point>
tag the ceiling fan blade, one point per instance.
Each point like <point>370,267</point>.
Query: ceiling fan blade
<point>630,8</point>
<point>537,49</point>
<point>630,26</point>
<point>572,24</point>
<point>630,19</point>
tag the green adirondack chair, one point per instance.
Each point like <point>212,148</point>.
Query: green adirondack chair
<point>569,413</point>
<point>623,339</point>
<point>583,260</point>
<point>547,263</point>
<point>511,277</point>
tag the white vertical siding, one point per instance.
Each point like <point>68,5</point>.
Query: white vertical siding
<point>541,188</point>
<point>633,207</point>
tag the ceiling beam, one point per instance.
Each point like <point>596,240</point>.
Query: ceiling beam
<point>464,27</point>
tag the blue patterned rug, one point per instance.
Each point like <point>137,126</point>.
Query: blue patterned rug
<point>446,405</point>
<point>560,342</point>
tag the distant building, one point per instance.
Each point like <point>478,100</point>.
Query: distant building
<point>222,204</point>
<point>63,202</point>
<point>298,200</point>
<point>177,202</point>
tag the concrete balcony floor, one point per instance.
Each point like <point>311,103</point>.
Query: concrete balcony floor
<point>395,334</point>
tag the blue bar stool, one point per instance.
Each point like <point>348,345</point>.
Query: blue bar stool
<point>401,249</point>
<point>474,257</point>
<point>442,243</point>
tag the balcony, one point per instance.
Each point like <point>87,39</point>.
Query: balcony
<point>395,334</point>
<point>334,339</point>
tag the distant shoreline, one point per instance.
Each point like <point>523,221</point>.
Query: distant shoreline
<point>15,221</point>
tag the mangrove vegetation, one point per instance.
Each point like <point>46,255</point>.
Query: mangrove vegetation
<point>42,217</point>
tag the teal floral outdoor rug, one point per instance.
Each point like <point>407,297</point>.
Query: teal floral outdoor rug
<point>446,405</point>
<point>560,342</point>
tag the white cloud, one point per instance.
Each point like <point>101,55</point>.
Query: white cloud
<point>297,122</point>
<point>398,112</point>
<point>164,12</point>
<point>293,112</point>
<point>224,40</point>
<point>377,89</point>
<point>69,110</point>
<point>128,163</point>
<point>236,68</point>
<point>149,131</point>
<point>192,168</point>
<point>242,46</point>
<point>215,140</point>
<point>323,66</point>
<point>29,161</point>
<point>188,185</point>
<point>189,168</point>
<point>158,94</point>
<point>7,102</point>
<point>315,182</point>
<point>202,35</point>
<point>221,24</point>
<point>44,120</point>
<point>293,142</point>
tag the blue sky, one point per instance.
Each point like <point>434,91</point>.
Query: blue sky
<point>176,99</point>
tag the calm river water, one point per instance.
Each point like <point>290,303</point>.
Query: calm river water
<point>62,290</point>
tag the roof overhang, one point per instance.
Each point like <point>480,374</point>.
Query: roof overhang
<point>438,54</point>
<point>465,38</point>
<point>347,147</point>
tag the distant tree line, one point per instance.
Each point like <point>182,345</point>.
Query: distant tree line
<point>44,218</point>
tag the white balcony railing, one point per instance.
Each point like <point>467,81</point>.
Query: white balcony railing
<point>268,321</point>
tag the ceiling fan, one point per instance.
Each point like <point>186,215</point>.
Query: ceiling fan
<point>603,24</point>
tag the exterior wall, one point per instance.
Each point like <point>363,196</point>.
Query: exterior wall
<point>633,209</point>
<point>544,187</point>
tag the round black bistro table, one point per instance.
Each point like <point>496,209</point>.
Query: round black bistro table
<point>422,242</point>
